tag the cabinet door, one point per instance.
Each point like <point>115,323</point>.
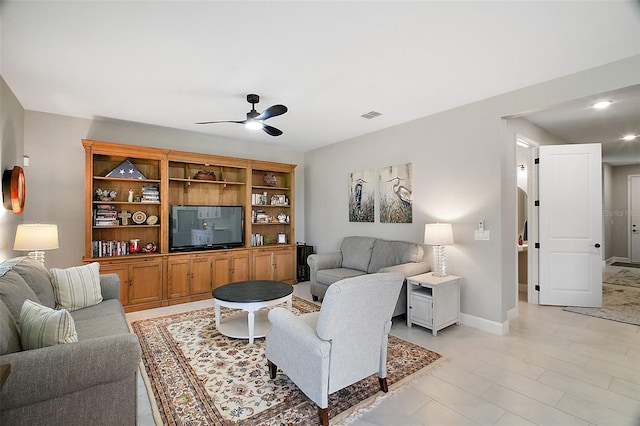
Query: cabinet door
<point>178,277</point>
<point>284,265</point>
<point>240,267</point>
<point>145,282</point>
<point>421,306</point>
<point>221,271</point>
<point>201,275</point>
<point>123,272</point>
<point>262,265</point>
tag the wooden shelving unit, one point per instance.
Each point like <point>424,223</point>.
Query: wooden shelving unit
<point>160,278</point>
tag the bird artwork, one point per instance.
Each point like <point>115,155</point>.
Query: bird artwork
<point>402,193</point>
<point>358,193</point>
<point>361,196</point>
<point>396,197</point>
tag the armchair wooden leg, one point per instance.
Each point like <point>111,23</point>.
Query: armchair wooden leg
<point>324,416</point>
<point>272,369</point>
<point>383,384</point>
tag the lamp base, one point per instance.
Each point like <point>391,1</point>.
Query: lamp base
<point>36,255</point>
<point>439,263</point>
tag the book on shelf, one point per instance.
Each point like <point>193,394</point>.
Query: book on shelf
<point>257,240</point>
<point>150,194</point>
<point>259,216</point>
<point>106,248</point>
<point>105,215</point>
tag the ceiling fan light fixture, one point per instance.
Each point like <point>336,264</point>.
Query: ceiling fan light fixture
<point>629,137</point>
<point>254,125</point>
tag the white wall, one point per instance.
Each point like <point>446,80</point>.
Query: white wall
<point>463,165</point>
<point>11,152</point>
<point>56,174</point>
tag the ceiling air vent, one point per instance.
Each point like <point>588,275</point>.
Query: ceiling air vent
<point>371,114</point>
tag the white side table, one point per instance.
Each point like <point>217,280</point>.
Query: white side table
<point>433,302</point>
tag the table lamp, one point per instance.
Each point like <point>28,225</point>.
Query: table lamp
<point>438,235</point>
<point>36,237</point>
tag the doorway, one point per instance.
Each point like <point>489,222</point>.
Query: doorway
<point>634,218</point>
<point>526,219</point>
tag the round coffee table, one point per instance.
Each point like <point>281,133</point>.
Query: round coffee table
<point>250,297</point>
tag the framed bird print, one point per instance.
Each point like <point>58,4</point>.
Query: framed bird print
<point>361,196</point>
<point>395,194</point>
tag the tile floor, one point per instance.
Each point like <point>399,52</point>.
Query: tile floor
<point>553,368</point>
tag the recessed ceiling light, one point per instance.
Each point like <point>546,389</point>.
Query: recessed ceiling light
<point>602,105</point>
<point>629,137</point>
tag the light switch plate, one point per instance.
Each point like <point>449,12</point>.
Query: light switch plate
<point>482,235</point>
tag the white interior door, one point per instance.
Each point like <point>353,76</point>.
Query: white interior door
<point>634,218</point>
<point>570,194</point>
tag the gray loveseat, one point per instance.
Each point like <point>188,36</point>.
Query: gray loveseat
<point>88,382</point>
<point>366,255</point>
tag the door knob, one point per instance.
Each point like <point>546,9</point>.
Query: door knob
<point>597,245</point>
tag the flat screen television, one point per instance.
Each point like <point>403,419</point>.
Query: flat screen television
<point>206,227</point>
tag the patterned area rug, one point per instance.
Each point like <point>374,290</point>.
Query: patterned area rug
<point>620,299</point>
<point>625,277</point>
<point>200,377</point>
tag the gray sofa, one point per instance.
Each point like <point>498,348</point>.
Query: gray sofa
<point>366,255</point>
<point>89,382</point>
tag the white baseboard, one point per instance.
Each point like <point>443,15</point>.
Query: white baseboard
<point>485,325</point>
<point>617,259</point>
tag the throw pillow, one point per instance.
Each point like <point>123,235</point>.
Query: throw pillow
<point>77,287</point>
<point>41,326</point>
<point>14,291</point>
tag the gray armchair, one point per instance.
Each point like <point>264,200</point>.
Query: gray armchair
<point>323,352</point>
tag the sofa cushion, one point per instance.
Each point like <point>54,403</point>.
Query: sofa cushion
<point>14,291</point>
<point>41,326</point>
<point>330,276</point>
<point>9,337</point>
<point>77,287</point>
<point>104,319</point>
<point>356,252</point>
<point>38,278</point>
<point>391,253</point>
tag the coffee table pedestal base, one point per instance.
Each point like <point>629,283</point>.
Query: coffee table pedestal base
<point>237,325</point>
<point>251,321</point>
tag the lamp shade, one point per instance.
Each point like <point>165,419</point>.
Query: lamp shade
<point>438,234</point>
<point>36,236</point>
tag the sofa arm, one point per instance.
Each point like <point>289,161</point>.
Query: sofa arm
<point>110,286</point>
<point>46,373</point>
<point>408,269</point>
<point>321,261</point>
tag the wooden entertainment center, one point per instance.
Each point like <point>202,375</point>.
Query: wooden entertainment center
<point>128,225</point>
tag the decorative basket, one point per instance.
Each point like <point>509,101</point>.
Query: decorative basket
<point>205,175</point>
<point>269,179</point>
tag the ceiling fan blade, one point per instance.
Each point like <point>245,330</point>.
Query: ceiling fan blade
<point>271,130</point>
<point>226,121</point>
<point>272,111</point>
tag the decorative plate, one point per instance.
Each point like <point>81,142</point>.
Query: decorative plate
<point>139,217</point>
<point>152,220</point>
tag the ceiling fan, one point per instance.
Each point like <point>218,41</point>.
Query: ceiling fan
<point>255,120</point>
